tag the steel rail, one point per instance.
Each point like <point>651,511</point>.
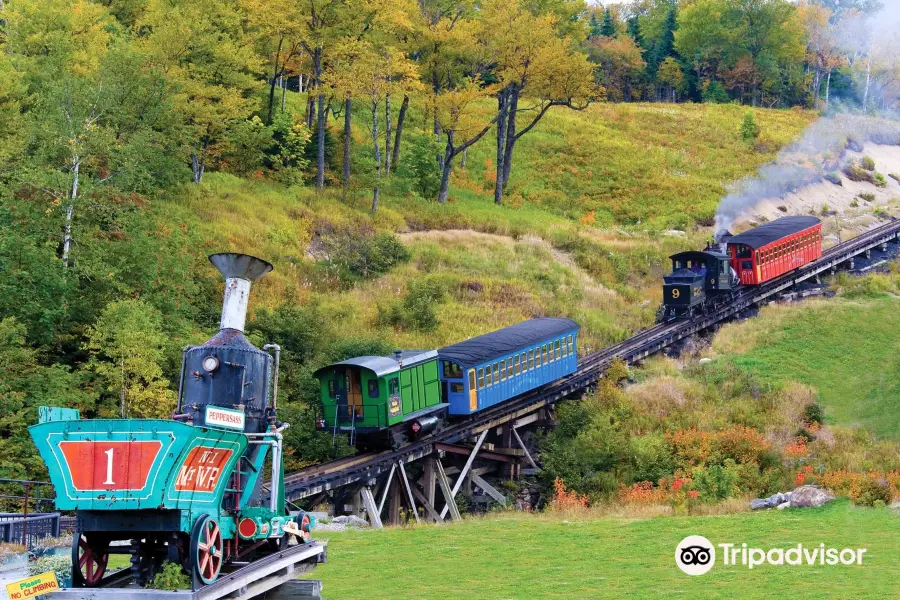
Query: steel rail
<point>345,472</point>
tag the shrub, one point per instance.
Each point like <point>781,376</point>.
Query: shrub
<point>814,413</point>
<point>716,482</point>
<point>565,499</point>
<point>868,489</point>
<point>856,173</point>
<point>172,577</point>
<point>60,564</point>
<point>854,204</point>
<point>715,93</point>
<point>749,128</point>
<point>867,163</point>
<point>692,447</point>
<point>650,457</point>
<point>854,145</point>
<point>356,254</point>
<point>834,178</point>
<point>880,181</point>
<point>417,310</point>
<point>418,169</point>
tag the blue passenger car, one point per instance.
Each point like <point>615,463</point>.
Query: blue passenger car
<point>486,370</point>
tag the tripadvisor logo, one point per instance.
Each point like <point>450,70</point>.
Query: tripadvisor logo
<point>696,555</point>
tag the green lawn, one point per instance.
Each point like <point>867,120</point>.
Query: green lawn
<point>527,556</point>
<point>848,351</point>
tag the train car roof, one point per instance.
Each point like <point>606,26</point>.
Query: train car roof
<point>506,341</point>
<point>697,253</point>
<point>771,232</point>
<point>384,365</point>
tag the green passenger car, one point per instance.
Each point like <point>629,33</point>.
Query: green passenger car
<point>382,401</point>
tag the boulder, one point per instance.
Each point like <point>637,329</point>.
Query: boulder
<point>810,495</point>
<point>783,506</point>
<point>773,501</point>
<point>350,520</point>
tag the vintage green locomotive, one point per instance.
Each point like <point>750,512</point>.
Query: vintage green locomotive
<point>187,490</point>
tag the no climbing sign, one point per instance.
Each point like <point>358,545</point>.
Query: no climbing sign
<point>32,587</point>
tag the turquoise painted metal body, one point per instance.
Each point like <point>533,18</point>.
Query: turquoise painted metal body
<point>186,490</point>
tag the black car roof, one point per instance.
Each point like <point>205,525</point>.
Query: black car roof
<point>771,232</point>
<point>699,254</point>
<point>506,341</point>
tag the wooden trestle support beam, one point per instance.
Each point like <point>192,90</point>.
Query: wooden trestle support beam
<point>419,497</point>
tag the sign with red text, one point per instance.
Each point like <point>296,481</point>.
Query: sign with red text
<point>224,417</point>
<point>202,469</point>
<point>32,587</point>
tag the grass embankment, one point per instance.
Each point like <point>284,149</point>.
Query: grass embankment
<point>846,350</point>
<point>546,253</point>
<point>551,556</point>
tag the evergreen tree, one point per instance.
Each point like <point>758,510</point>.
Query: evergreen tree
<point>595,27</point>
<point>608,28</point>
<point>665,45</point>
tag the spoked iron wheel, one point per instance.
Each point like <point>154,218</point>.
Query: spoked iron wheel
<point>90,555</point>
<point>207,549</point>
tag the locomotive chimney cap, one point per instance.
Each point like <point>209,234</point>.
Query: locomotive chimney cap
<point>240,266</point>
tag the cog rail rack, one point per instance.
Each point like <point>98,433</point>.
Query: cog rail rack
<point>366,468</point>
<point>246,581</point>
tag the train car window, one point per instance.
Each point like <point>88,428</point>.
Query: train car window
<point>565,348</point>
<point>571,346</point>
<point>747,265</point>
<point>394,384</point>
<point>452,370</point>
<point>550,349</point>
<point>503,370</point>
<point>744,252</point>
<point>524,361</point>
<point>531,359</point>
<point>488,378</point>
<point>480,379</point>
<point>544,361</point>
<point>557,349</point>
<point>456,388</point>
<point>331,391</point>
<point>472,384</point>
<point>496,374</point>
<point>509,367</point>
<point>373,388</point>
<point>518,365</point>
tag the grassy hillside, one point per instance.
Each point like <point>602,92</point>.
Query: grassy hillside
<point>846,350</point>
<point>563,556</point>
<point>561,245</point>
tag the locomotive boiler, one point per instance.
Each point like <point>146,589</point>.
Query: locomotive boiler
<point>187,490</point>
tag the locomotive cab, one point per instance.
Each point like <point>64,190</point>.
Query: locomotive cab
<point>696,278</point>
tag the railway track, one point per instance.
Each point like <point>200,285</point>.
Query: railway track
<point>366,467</point>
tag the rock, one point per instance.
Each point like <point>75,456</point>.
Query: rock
<point>704,361</point>
<point>350,520</point>
<point>773,501</point>
<point>675,233</point>
<point>782,506</point>
<point>809,496</point>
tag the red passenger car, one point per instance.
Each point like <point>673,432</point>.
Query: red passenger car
<point>775,248</point>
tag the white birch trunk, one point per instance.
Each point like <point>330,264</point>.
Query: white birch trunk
<point>70,211</point>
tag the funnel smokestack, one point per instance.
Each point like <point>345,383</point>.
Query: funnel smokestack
<point>240,271</point>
